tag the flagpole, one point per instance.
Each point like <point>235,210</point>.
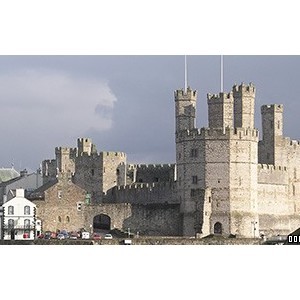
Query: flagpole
<point>222,75</point>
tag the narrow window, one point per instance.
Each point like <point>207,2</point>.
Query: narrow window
<point>195,179</point>
<point>10,210</point>
<point>194,152</point>
<point>26,224</point>
<point>59,194</point>
<point>59,218</point>
<point>27,210</point>
<point>79,206</point>
<point>294,190</point>
<point>93,172</point>
<point>11,224</point>
<point>68,219</point>
<point>278,124</point>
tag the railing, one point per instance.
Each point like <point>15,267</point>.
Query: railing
<point>23,227</point>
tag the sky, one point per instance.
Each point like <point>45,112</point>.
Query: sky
<point>125,102</point>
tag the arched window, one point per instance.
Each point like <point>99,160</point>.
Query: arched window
<point>218,228</point>
<point>27,210</point>
<point>68,219</point>
<point>10,210</point>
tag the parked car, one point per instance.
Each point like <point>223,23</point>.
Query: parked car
<point>47,235</point>
<point>73,235</point>
<point>85,235</point>
<point>60,236</point>
<point>108,236</point>
<point>96,236</point>
<point>65,233</point>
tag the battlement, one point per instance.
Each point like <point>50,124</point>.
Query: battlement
<point>92,155</point>
<point>226,133</point>
<point>221,97</point>
<point>271,108</point>
<point>244,88</point>
<point>185,95</point>
<point>147,186</point>
<point>65,150</point>
<point>154,166</point>
<point>49,161</point>
<point>84,140</point>
<point>112,154</point>
<point>272,174</point>
<point>271,167</point>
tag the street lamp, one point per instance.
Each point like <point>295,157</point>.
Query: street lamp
<point>254,227</point>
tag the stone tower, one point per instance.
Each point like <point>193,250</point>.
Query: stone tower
<point>272,135</point>
<point>220,110</point>
<point>65,159</point>
<point>185,106</point>
<point>244,98</point>
<point>217,166</point>
<point>85,145</point>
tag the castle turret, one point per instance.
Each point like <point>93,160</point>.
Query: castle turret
<point>85,145</point>
<point>244,101</point>
<point>220,110</point>
<point>272,129</point>
<point>185,105</point>
<point>65,159</point>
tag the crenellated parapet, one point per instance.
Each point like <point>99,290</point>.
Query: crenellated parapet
<point>187,95</point>
<point>143,193</point>
<point>221,97</point>
<point>246,89</point>
<point>271,174</point>
<point>219,133</point>
<point>271,168</point>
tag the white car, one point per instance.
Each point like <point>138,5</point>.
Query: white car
<point>108,236</point>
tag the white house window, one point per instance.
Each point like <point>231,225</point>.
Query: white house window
<point>27,210</point>
<point>10,210</point>
<point>11,224</point>
<point>26,224</point>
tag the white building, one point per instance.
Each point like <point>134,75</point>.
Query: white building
<point>19,218</point>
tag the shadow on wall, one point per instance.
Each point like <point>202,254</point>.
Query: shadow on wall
<point>154,220</point>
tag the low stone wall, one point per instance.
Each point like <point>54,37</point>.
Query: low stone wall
<point>143,241</point>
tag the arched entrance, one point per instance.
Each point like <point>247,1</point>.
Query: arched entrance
<point>101,222</point>
<point>218,228</point>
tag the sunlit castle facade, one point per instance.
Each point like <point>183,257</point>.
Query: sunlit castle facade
<point>229,182</point>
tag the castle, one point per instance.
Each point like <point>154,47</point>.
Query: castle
<point>225,180</point>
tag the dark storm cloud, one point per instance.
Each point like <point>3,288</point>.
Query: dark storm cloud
<point>124,103</point>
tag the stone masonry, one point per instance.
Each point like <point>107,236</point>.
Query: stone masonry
<point>224,181</point>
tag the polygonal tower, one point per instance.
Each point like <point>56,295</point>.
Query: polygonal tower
<point>185,106</point>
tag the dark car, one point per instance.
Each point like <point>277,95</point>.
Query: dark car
<point>47,235</point>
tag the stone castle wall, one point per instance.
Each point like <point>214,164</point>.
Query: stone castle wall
<point>143,193</point>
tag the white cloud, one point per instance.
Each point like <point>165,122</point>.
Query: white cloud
<point>54,103</point>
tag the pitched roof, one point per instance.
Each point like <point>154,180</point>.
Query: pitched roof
<point>39,192</point>
<point>7,174</point>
